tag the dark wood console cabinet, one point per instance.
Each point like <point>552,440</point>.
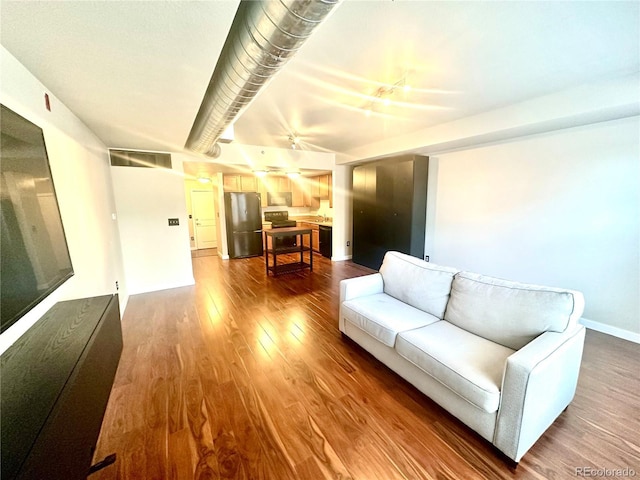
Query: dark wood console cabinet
<point>56,381</point>
<point>389,208</point>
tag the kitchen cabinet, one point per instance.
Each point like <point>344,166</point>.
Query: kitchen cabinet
<point>265,185</point>
<point>284,184</point>
<point>239,183</point>
<point>325,240</point>
<point>271,183</point>
<point>262,190</point>
<point>248,183</point>
<point>389,208</point>
<point>315,186</point>
<point>323,186</point>
<point>306,192</point>
<point>266,244</point>
<point>326,188</point>
<point>298,198</point>
<point>231,183</point>
<point>315,235</point>
<point>278,184</point>
<point>320,188</point>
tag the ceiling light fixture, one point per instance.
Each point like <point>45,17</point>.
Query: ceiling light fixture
<point>260,173</point>
<point>294,174</point>
<point>384,93</point>
<point>294,140</point>
<point>204,180</point>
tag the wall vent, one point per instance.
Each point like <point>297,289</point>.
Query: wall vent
<point>136,158</point>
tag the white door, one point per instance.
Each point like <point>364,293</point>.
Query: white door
<point>204,219</point>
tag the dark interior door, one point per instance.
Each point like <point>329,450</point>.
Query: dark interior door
<point>364,222</point>
<point>402,203</point>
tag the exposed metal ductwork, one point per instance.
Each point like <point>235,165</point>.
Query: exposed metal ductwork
<point>263,37</point>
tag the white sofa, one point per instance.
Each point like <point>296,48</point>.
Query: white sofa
<point>501,356</point>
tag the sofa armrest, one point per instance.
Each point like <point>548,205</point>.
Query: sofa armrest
<point>351,288</point>
<point>539,382</point>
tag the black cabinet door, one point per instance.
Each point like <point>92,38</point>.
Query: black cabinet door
<point>385,209</point>
<point>389,209</point>
<point>401,206</point>
<point>364,222</point>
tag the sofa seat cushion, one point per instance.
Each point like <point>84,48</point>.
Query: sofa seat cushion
<point>383,316</point>
<point>506,312</point>
<point>420,284</point>
<point>469,365</point>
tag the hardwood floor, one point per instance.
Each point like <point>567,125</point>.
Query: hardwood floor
<point>245,376</point>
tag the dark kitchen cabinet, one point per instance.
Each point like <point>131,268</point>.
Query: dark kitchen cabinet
<point>389,208</point>
<point>325,234</point>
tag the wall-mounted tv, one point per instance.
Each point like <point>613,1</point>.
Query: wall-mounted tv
<point>35,256</point>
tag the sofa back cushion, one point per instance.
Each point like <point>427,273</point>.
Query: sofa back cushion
<point>510,313</point>
<point>423,285</point>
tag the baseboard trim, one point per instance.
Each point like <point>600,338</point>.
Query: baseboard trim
<point>610,330</point>
<point>137,290</point>
<point>341,258</point>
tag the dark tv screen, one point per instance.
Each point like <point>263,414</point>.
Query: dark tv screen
<point>35,256</point>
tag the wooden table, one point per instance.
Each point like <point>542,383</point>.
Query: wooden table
<point>276,233</point>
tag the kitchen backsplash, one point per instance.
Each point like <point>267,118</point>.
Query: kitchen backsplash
<point>324,210</point>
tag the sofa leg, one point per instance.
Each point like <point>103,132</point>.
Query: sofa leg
<point>512,465</point>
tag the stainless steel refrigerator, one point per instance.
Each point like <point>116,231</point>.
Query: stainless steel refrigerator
<point>243,216</point>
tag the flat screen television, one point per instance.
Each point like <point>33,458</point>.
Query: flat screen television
<point>34,251</point>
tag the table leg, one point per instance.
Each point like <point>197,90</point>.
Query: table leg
<point>266,252</point>
<point>301,248</point>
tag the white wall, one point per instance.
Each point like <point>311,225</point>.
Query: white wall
<point>342,213</point>
<point>80,169</point>
<point>560,208</point>
<point>156,256</point>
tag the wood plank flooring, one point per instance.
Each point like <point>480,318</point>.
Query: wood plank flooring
<point>244,376</point>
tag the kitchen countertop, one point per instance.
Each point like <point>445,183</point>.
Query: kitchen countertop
<point>313,220</point>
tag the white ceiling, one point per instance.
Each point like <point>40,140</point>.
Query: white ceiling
<point>135,71</point>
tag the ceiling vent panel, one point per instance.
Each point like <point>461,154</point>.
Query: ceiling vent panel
<point>136,158</point>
